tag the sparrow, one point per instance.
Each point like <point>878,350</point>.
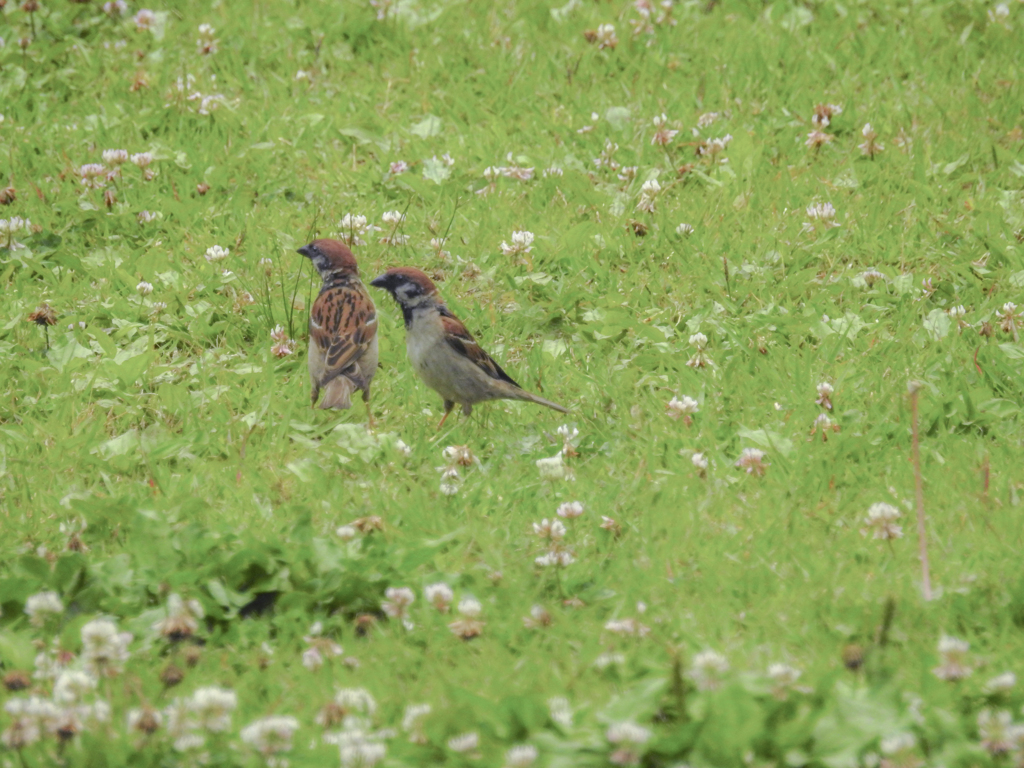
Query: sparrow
<point>443,352</point>
<point>342,328</point>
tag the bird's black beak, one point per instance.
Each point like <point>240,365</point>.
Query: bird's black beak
<point>307,251</point>
<point>384,281</point>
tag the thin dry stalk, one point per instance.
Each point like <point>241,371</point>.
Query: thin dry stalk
<point>922,543</point>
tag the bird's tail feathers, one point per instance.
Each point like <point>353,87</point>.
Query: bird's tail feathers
<point>529,396</point>
<point>338,393</point>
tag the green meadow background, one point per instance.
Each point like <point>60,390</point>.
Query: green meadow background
<point>157,445</point>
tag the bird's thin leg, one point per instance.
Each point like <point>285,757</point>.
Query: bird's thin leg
<point>448,405</point>
<point>369,413</point>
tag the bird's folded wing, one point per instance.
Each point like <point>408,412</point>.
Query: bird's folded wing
<point>460,340</point>
<point>342,327</point>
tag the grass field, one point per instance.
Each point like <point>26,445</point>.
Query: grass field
<point>852,182</point>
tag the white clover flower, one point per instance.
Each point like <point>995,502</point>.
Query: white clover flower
<point>997,731</point>
<point>72,686</point>
<point>458,454</point>
<point>216,253</point>
<point>752,461</point>
<point>700,461</point>
<point>684,230</point>
<point>606,660</point>
<point>212,707</point>
<point>650,188</point>
<point>521,756</point>
<point>699,340</point>
<point>783,678</point>
<point>41,606</point>
<point>393,217</point>
<point>553,468</point>
<point>871,276</point>
<point>522,243</point>
<point>570,510</point>
<point>714,147</point>
<point>356,700</point>
<point>870,147</point>
<point>516,172</point>
<point>953,654</point>
<point>115,157</point>
<point>145,217</point>
<point>684,407</point>
<point>549,529</point>
<point>627,733</point>
<point>439,595</point>
<point>1001,683</point>
<point>92,175</point>
<point>663,135</point>
<point>353,226</point>
<point>312,658</point>
<point>822,213</point>
<point>999,14</point>
<point>560,558</point>
<point>825,392</point>
<point>817,139</point>
<point>206,44</point>
<point>898,743</point>
<point>270,736</point>
<point>115,8</point>
<point>397,167</point>
<point>629,627</point>
<point>539,617</point>
<point>144,720</point>
<point>182,618</point>
<point>144,20</point>
<point>398,601</point>
<point>553,171</point>
<point>465,742</point>
<point>414,713</point>
<point>560,711</point>
<point>283,349</point>
<point>708,668</point>
<point>104,649</point>
<point>629,740</point>
<point>31,718</point>
<point>142,159</point>
<point>144,288</point>
<point>606,37</point>
<point>881,520</point>
<point>358,749</point>
<point>824,423</point>
<point>706,119</point>
<point>957,312</point>
<point>470,607</point>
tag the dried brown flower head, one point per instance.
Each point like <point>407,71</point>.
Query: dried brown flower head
<point>17,680</point>
<point>44,315</point>
<point>171,675</point>
<point>853,657</point>
<point>368,524</point>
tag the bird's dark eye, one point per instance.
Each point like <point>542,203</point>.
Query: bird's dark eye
<point>407,290</point>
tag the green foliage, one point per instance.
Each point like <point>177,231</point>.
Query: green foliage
<point>157,449</point>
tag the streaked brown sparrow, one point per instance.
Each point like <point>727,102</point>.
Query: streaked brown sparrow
<point>443,352</point>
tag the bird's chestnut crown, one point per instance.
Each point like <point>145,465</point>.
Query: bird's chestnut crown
<point>330,256</point>
<point>407,285</point>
